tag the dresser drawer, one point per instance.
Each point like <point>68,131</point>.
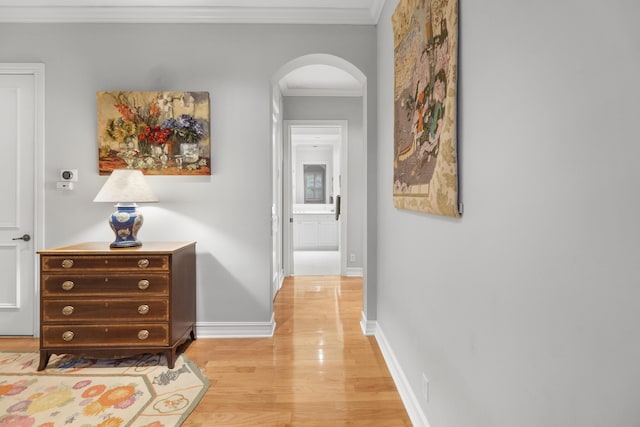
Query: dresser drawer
<point>138,335</point>
<point>57,285</point>
<point>120,310</point>
<point>108,263</point>
<point>98,301</point>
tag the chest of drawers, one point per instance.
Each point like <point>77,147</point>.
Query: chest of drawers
<point>101,302</point>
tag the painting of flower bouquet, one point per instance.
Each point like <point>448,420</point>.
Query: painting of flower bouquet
<point>159,133</point>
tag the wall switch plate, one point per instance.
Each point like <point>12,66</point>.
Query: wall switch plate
<point>352,257</point>
<point>68,175</point>
<point>64,185</point>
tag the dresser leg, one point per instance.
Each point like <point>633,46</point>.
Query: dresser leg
<point>44,359</point>
<point>193,333</point>
<point>171,358</point>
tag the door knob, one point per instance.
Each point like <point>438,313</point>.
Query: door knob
<point>26,238</point>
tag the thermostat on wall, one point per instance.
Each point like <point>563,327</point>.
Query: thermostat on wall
<point>66,178</point>
<point>69,175</point>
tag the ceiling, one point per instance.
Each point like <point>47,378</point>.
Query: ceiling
<point>320,80</point>
<point>361,12</point>
<point>310,80</point>
<point>315,136</point>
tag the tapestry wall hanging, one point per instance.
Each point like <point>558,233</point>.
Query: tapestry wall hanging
<point>160,133</point>
<point>425,169</point>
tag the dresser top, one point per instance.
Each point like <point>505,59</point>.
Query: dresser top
<point>103,248</point>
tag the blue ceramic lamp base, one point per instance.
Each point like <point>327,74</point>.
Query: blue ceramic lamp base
<point>125,223</point>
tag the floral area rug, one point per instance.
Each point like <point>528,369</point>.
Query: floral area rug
<point>137,391</point>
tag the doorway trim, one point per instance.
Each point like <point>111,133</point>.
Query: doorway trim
<point>288,188</point>
<point>37,70</point>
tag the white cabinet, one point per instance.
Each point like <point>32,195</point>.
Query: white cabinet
<point>308,234</point>
<point>328,234</point>
<point>315,232</point>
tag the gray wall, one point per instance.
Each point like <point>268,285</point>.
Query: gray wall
<point>350,109</point>
<point>525,312</point>
<point>227,213</point>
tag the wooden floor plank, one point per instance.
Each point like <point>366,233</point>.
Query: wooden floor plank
<point>317,370</point>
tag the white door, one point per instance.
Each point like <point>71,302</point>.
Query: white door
<point>276,194</point>
<point>17,145</point>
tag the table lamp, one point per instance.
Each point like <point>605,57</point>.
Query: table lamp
<point>126,187</point>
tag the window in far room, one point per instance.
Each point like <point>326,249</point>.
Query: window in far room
<point>314,183</point>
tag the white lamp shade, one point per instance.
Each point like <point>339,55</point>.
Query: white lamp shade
<point>126,186</point>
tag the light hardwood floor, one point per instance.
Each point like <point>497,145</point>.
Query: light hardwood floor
<point>317,370</point>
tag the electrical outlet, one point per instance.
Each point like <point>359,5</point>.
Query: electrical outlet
<point>352,257</point>
<point>425,387</point>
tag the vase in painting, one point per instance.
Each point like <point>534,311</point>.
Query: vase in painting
<point>190,152</point>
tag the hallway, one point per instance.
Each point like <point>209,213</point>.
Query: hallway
<point>316,263</point>
<point>317,370</point>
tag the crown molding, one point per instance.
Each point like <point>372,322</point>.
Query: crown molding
<point>322,92</point>
<point>376,9</point>
<point>350,12</point>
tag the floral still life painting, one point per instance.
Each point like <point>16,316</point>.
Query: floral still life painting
<point>159,133</point>
<point>425,100</point>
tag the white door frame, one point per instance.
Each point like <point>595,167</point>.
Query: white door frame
<point>37,71</point>
<point>277,275</point>
<point>288,188</point>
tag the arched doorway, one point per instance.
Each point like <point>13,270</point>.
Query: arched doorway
<point>329,76</point>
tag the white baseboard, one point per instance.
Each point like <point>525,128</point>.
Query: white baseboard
<point>354,272</point>
<point>409,398</point>
<point>279,280</point>
<point>236,329</point>
<point>368,326</point>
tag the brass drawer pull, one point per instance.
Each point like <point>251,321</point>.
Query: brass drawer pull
<point>67,263</point>
<point>143,263</point>
<point>143,284</point>
<point>67,310</point>
<point>67,285</point>
<point>143,309</point>
<point>68,336</point>
<point>143,334</point>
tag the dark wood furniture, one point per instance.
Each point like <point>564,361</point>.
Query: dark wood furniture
<point>101,302</point>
